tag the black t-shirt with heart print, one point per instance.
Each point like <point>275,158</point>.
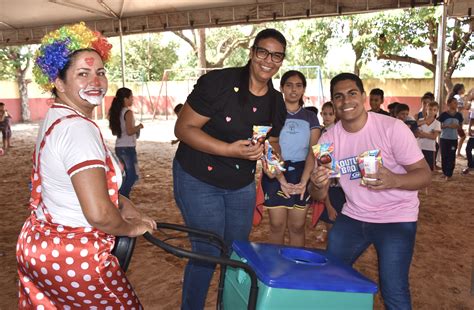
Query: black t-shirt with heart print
<point>216,95</point>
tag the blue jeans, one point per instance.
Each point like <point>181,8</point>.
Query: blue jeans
<point>394,243</point>
<point>128,156</point>
<point>228,213</point>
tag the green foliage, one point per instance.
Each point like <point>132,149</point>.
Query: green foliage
<point>219,39</point>
<point>312,38</point>
<point>13,59</point>
<point>401,30</point>
<point>146,59</point>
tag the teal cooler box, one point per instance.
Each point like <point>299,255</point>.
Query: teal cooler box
<point>295,278</point>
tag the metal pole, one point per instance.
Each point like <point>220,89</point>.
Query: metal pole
<point>122,53</point>
<point>439,77</point>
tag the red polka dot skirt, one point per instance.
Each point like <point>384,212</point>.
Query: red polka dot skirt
<point>64,268</point>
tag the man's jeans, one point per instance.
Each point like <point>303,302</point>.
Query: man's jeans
<point>128,156</point>
<point>228,213</point>
<point>394,243</point>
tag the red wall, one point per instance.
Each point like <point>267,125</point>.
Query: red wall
<point>164,106</point>
<point>39,106</point>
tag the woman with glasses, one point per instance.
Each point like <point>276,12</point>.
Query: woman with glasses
<point>214,167</point>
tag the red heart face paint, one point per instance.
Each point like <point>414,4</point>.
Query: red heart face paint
<point>89,61</point>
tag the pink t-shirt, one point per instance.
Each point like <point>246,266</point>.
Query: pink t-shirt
<point>398,146</point>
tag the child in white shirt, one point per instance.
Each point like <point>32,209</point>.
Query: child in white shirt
<point>428,131</point>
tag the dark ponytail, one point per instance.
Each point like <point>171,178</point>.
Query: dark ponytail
<point>116,109</point>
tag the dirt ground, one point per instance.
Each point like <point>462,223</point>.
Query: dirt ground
<point>441,274</point>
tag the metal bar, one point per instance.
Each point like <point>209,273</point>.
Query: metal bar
<point>439,77</point>
<point>108,9</point>
<point>122,53</point>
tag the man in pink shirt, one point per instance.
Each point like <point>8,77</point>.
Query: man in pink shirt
<point>384,211</point>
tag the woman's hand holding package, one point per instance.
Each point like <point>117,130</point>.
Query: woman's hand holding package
<point>245,149</point>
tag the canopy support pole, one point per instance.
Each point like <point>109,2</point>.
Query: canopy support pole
<point>439,77</point>
<point>122,53</point>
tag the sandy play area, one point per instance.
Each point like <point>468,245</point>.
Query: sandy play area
<point>442,268</point>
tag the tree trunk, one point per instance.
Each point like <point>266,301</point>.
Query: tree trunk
<point>448,86</point>
<point>357,62</point>
<point>201,44</point>
<point>23,88</point>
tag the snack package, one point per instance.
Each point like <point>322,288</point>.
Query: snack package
<point>273,162</point>
<point>324,155</point>
<point>260,133</point>
<point>368,164</point>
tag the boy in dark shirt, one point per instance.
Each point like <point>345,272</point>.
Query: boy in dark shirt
<point>376,100</point>
<point>451,121</point>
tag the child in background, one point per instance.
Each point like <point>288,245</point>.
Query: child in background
<point>5,126</point>
<point>122,125</point>
<point>176,110</point>
<point>312,109</point>
<point>391,108</point>
<point>335,199</point>
<point>458,93</point>
<point>402,112</point>
<point>425,100</point>
<point>451,121</point>
<point>470,144</point>
<point>429,130</point>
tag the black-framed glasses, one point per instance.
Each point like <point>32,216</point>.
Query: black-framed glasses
<point>263,53</point>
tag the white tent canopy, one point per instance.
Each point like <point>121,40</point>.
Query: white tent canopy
<point>27,21</point>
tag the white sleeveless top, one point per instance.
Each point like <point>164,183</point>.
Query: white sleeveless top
<point>125,140</point>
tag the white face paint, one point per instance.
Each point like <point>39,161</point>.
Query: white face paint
<point>93,95</point>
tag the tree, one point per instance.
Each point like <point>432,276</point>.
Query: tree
<point>359,35</point>
<point>14,63</point>
<point>146,59</point>
<point>397,33</point>
<point>312,42</point>
<point>214,47</point>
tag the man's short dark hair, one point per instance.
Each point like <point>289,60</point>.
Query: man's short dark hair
<point>346,76</point>
<point>377,92</point>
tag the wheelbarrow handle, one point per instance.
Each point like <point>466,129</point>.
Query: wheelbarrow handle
<point>198,232</point>
<point>223,261</point>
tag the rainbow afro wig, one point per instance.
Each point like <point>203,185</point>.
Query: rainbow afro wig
<point>57,46</point>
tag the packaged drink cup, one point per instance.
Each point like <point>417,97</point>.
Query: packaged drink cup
<point>369,162</point>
